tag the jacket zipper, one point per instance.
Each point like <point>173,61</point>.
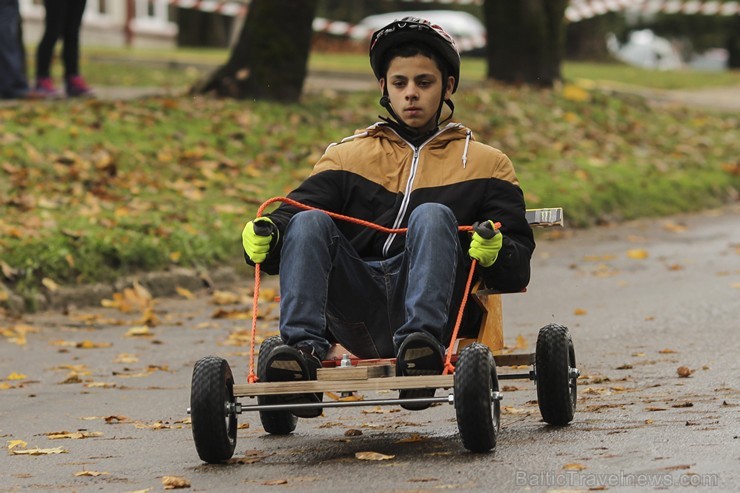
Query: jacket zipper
<point>409,184</point>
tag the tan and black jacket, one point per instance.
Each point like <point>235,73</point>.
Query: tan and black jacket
<point>377,176</point>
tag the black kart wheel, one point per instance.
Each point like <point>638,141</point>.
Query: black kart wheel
<point>274,422</point>
<point>212,410</point>
<point>478,410</point>
<point>556,375</point>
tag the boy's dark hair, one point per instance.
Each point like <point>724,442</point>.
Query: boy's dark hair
<point>410,49</point>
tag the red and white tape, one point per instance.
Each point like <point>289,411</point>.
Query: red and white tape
<point>579,10</point>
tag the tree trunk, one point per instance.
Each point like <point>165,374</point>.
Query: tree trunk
<point>270,59</point>
<point>733,44</point>
<point>525,40</point>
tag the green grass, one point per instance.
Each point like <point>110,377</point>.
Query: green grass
<point>182,67</point>
<point>92,190</point>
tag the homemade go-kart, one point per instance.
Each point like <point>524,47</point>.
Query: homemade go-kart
<point>470,372</point>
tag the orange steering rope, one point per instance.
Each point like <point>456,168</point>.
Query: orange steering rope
<point>449,368</point>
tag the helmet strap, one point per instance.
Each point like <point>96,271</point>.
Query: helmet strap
<point>404,130</point>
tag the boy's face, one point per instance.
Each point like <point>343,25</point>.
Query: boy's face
<point>414,87</point>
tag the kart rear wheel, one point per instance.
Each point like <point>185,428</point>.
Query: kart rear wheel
<point>478,410</point>
<point>212,412</point>
<point>274,422</point>
<point>556,375</point>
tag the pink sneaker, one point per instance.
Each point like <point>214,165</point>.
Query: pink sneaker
<point>76,86</point>
<point>45,88</point>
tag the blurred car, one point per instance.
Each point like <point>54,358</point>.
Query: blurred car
<point>468,31</point>
<point>647,50</point>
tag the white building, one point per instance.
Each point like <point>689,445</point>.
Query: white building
<point>111,23</point>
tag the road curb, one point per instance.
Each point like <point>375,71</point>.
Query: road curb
<point>159,284</point>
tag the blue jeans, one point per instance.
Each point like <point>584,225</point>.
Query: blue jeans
<point>13,82</point>
<point>328,293</point>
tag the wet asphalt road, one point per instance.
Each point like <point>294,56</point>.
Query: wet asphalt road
<point>641,300</point>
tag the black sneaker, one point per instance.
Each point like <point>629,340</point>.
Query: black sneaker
<point>288,364</point>
<point>419,354</point>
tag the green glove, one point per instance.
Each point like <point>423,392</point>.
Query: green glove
<point>486,243</point>
<point>257,238</point>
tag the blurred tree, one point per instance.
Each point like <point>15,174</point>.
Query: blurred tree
<point>525,40</point>
<point>586,39</point>
<point>198,28</point>
<point>701,32</point>
<point>270,59</point>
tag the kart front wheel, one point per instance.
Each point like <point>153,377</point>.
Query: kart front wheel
<point>477,404</point>
<point>212,410</point>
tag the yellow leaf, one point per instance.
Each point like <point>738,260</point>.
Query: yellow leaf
<point>92,345</point>
<point>674,227</point>
<point>175,256</point>
<point>580,311</point>
<point>39,451</point>
<point>16,376</point>
<point>75,435</point>
<point>637,253</point>
<point>93,474</point>
<point>521,342</point>
<point>225,298</point>
<point>126,358</point>
<point>16,443</point>
<point>571,92</point>
<point>142,331</point>
<point>574,467</point>
<point>49,284</point>
<point>185,293</point>
<point>175,482</point>
<point>373,456</point>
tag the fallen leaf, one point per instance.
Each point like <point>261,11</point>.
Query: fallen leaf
<point>175,482</point>
<point>76,435</point>
<point>674,227</point>
<point>49,284</point>
<point>637,253</point>
<point>667,351</point>
<point>93,474</point>
<point>126,358</point>
<point>684,371</point>
<point>373,456</point>
<point>275,482</point>
<point>413,439</point>
<point>141,331</point>
<point>16,376</point>
<point>39,451</point>
<point>514,410</point>
<point>683,404</point>
<point>574,467</point>
<point>185,293</point>
<point>580,311</point>
<point>655,409</point>
<point>572,92</point>
<point>16,443</point>
<point>225,298</point>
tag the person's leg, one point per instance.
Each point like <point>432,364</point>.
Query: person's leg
<point>433,261</point>
<point>53,22</point>
<point>13,82</point>
<point>435,272</point>
<point>71,33</point>
<point>74,82</point>
<point>325,287</point>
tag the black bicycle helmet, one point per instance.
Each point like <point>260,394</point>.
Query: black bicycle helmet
<point>419,30</point>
